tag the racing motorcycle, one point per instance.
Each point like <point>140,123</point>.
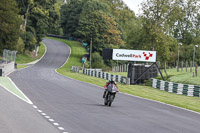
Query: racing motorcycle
<point>110,94</point>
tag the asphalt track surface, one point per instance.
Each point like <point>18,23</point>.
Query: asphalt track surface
<point>16,116</point>
<point>78,106</point>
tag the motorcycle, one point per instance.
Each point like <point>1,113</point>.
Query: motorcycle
<point>110,94</point>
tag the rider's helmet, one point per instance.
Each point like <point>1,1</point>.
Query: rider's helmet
<point>111,79</point>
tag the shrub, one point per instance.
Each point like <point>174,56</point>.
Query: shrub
<point>97,61</point>
<point>20,45</point>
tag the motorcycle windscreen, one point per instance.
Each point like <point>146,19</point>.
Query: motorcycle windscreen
<point>112,88</point>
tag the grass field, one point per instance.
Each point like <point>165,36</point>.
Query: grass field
<point>77,51</point>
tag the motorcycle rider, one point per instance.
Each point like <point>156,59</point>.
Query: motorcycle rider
<point>111,81</point>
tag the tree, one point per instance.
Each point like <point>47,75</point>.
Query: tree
<point>9,24</point>
<point>40,18</point>
<point>159,18</point>
<point>93,27</point>
<point>70,14</point>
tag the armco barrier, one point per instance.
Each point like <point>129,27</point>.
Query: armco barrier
<point>104,75</point>
<point>178,88</point>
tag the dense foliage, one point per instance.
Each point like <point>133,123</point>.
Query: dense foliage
<point>9,24</point>
<point>23,23</point>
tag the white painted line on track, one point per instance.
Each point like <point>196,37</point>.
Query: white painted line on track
<point>56,124</point>
<point>40,111</point>
<point>34,106</point>
<point>29,101</point>
<point>48,117</point>
<point>51,120</point>
<point>9,72</point>
<point>61,128</point>
<point>43,113</point>
<point>162,103</point>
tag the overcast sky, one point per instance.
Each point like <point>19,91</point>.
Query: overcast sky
<point>133,4</point>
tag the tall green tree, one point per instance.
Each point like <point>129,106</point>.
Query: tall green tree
<point>40,18</point>
<point>159,18</point>
<point>70,14</point>
<point>9,24</point>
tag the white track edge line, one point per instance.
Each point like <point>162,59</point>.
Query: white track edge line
<point>15,94</point>
<point>28,100</point>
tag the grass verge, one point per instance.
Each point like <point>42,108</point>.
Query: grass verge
<point>77,51</point>
<point>23,59</point>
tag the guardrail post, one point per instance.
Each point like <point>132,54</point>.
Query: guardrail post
<point>162,85</point>
<point>154,83</point>
<point>190,90</point>
<point>170,87</point>
<point>180,89</point>
<point>119,78</point>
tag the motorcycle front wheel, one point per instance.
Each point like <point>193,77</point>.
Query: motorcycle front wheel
<point>110,100</point>
<point>105,101</point>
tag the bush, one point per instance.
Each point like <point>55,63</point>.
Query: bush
<point>97,61</point>
<point>20,45</point>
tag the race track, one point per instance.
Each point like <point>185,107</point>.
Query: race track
<point>78,106</point>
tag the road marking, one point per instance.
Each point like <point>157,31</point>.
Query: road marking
<point>34,106</point>
<point>61,128</point>
<point>47,117</point>
<point>51,120</point>
<point>40,111</point>
<point>161,103</point>
<point>56,124</point>
<point>10,86</point>
<point>43,113</point>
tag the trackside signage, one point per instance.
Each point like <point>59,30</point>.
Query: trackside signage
<point>134,55</point>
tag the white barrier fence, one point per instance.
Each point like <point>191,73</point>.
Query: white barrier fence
<point>178,88</point>
<point>7,68</point>
<point>98,73</point>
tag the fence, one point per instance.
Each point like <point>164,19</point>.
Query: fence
<point>120,68</point>
<point>105,75</point>
<point>8,56</point>
<point>75,69</point>
<point>98,73</point>
<point>178,88</point>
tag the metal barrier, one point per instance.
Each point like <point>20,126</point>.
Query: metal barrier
<point>104,75</point>
<point>8,56</point>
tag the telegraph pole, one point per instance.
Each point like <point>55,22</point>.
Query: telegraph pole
<point>91,53</point>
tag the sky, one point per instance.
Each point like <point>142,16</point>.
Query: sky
<point>133,5</point>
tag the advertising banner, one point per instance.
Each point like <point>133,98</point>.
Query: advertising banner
<point>134,55</point>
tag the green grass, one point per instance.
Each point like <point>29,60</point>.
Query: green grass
<point>182,76</point>
<point>21,66</point>
<point>27,56</point>
<point>22,60</point>
<point>191,103</point>
<point>4,81</point>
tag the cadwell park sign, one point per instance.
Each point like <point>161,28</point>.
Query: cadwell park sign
<point>134,55</point>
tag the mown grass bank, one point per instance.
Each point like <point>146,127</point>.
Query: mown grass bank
<point>23,59</point>
<point>77,51</point>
